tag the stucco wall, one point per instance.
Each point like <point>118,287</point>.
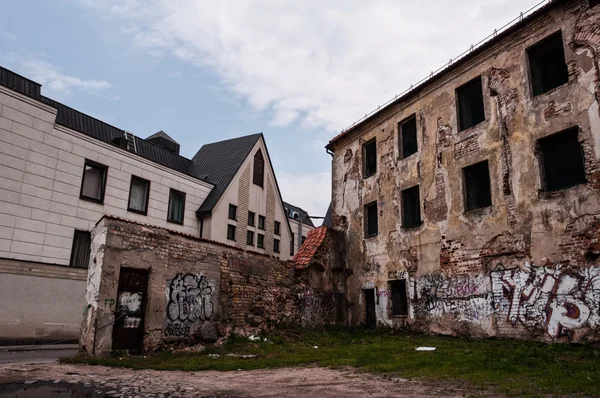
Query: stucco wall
<point>453,263</point>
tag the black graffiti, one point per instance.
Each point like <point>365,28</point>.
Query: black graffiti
<point>190,298</point>
<point>177,330</point>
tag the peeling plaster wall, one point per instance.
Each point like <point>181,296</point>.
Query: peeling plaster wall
<point>455,261</point>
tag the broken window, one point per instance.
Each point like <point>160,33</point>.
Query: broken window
<point>408,137</point>
<point>477,186</point>
<point>232,212</point>
<point>80,251</point>
<point>231,232</point>
<point>260,241</point>
<point>258,176</point>
<point>251,217</point>
<point>562,160</point>
<point>470,104</point>
<point>176,206</point>
<point>276,245</point>
<point>250,238</point>
<point>139,190</point>
<point>399,299</point>
<point>547,65</point>
<point>371,219</point>
<point>94,182</point>
<point>411,207</point>
<point>369,153</point>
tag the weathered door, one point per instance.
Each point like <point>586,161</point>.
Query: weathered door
<point>128,330</point>
<point>370,307</point>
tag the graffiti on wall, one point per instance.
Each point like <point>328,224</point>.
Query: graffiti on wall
<point>189,303</point>
<point>554,300</point>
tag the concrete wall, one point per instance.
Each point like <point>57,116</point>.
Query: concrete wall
<point>526,266</point>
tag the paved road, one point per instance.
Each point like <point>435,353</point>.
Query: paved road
<point>34,356</point>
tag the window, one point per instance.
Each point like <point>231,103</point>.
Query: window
<point>470,104</point>
<point>371,219</point>
<point>231,232</point>
<point>261,222</point>
<point>176,206</point>
<point>276,245</point>
<point>233,212</point>
<point>547,65</point>
<point>408,137</point>
<point>562,160</point>
<point>594,3</point>
<point>411,207</point>
<point>303,239</point>
<point>251,217</point>
<point>260,241</point>
<point>258,177</point>
<point>250,238</point>
<point>399,299</point>
<point>80,252</point>
<point>477,186</point>
<point>139,191</point>
<point>94,182</point>
<point>292,245</point>
<point>369,153</point>
<point>277,228</point>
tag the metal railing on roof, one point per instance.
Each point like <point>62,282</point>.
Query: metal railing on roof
<point>452,60</point>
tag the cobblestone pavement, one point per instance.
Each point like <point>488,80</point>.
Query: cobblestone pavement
<point>289,382</point>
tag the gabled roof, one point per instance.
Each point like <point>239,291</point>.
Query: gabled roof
<point>218,163</point>
<point>303,214</point>
<point>161,134</point>
<point>309,248</point>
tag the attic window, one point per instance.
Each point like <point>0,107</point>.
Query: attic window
<point>547,64</point>
<point>370,221</point>
<point>562,160</point>
<point>470,104</point>
<point>369,153</point>
<point>407,131</point>
<point>259,169</point>
<point>477,186</point>
<point>411,207</point>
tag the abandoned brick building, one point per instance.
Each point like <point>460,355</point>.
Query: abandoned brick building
<point>471,204</point>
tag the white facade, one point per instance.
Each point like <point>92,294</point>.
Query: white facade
<point>295,225</point>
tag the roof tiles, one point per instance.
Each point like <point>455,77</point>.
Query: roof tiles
<point>313,241</point>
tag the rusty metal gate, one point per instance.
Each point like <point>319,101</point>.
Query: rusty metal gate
<point>370,307</point>
<point>128,330</point>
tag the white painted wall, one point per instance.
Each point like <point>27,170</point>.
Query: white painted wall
<point>294,224</point>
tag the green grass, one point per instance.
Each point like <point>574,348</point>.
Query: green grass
<point>512,367</point>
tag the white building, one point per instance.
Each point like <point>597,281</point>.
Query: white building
<point>300,223</point>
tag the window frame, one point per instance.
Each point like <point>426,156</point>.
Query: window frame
<point>367,233</point>
<point>261,220</point>
<point>235,211</point>
<point>139,179</point>
<point>183,194</point>
<point>104,169</point>
<point>256,180</point>
<point>458,97</point>
<point>80,232</point>
<point>251,216</point>
<point>259,238</point>
<point>231,227</point>
<point>465,184</point>
<point>401,144</point>
<point>277,228</point>
<point>368,173</point>
<point>249,234</point>
<point>276,245</point>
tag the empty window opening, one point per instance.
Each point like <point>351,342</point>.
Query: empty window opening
<point>369,158</point>
<point>276,245</point>
<point>251,217</point>
<point>232,212</point>
<point>250,238</point>
<point>411,207</point>
<point>371,219</point>
<point>470,104</point>
<point>547,65</point>
<point>258,176</point>
<point>231,232</point>
<point>261,222</point>
<point>408,137</point>
<point>477,186</point>
<point>562,160</point>
<point>176,207</point>
<point>94,182</point>
<point>80,252</point>
<point>399,298</point>
<point>260,241</point>
<point>139,191</point>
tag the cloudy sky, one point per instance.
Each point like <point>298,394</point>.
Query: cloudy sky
<point>203,71</point>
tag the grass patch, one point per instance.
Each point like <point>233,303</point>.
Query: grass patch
<point>512,367</point>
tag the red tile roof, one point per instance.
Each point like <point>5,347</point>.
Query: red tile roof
<point>313,241</point>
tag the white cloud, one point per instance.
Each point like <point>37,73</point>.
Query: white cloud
<point>312,192</point>
<point>4,35</point>
<point>319,64</point>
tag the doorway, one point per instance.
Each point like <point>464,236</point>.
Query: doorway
<point>128,330</point>
<point>371,318</point>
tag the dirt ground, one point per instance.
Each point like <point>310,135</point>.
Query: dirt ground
<point>289,382</point>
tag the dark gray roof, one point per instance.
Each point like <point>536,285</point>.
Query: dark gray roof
<point>218,163</point>
<point>303,214</point>
<point>161,134</point>
<point>328,221</point>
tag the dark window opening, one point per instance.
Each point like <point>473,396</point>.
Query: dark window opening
<point>231,232</point>
<point>292,245</point>
<point>139,191</point>
<point>277,228</point>
<point>477,186</point>
<point>251,217</point>
<point>303,239</point>
<point>562,160</point>
<point>261,222</point>
<point>411,207</point>
<point>369,153</point>
<point>258,177</point>
<point>399,299</point>
<point>371,219</point>
<point>470,104</point>
<point>80,252</point>
<point>250,238</point>
<point>276,245</point>
<point>232,212</point>
<point>176,207</point>
<point>547,64</point>
<point>408,137</point>
<point>260,241</point>
<point>94,182</point>
<point>594,3</point>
